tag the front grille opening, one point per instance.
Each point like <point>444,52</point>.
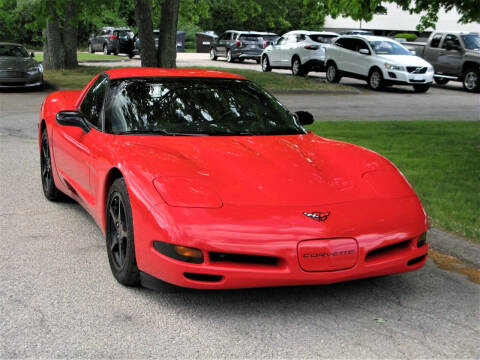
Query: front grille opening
<point>416,260</point>
<point>203,277</point>
<point>377,253</point>
<point>243,259</point>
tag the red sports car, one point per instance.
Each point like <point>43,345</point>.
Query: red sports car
<point>204,180</point>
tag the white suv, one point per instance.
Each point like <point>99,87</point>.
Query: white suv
<point>301,51</point>
<point>378,60</point>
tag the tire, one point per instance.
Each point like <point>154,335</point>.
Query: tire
<point>297,67</point>
<point>229,56</point>
<point>213,54</point>
<point>105,50</point>
<point>332,73</point>
<point>115,52</point>
<point>90,48</point>
<point>131,55</point>
<point>375,80</point>
<point>266,64</point>
<point>48,184</point>
<point>471,80</point>
<point>119,238</point>
<point>441,81</point>
<point>423,88</point>
<point>258,61</point>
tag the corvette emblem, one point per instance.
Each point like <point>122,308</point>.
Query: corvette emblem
<point>318,216</point>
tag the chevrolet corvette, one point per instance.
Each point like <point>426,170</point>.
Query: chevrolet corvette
<point>202,179</point>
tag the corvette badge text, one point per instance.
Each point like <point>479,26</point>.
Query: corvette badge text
<point>322,254</point>
<point>318,216</point>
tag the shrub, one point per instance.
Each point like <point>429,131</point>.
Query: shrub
<point>406,36</point>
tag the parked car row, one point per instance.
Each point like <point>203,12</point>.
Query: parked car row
<point>380,61</point>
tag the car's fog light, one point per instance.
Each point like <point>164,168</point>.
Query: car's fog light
<point>422,239</point>
<point>178,252</point>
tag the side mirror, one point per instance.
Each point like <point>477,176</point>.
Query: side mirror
<point>32,54</point>
<point>304,117</point>
<point>364,51</point>
<point>72,118</point>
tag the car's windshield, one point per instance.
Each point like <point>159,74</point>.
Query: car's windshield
<point>384,47</point>
<point>324,39</point>
<point>195,106</point>
<point>471,41</point>
<point>13,50</point>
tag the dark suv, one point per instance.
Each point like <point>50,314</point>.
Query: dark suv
<point>241,45</point>
<point>112,40</point>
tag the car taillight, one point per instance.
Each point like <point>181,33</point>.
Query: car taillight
<point>312,47</point>
<point>113,37</point>
<point>238,43</point>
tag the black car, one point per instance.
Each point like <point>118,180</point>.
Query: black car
<point>112,40</point>
<point>241,45</point>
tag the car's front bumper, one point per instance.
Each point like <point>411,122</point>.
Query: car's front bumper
<point>406,78</point>
<point>21,80</point>
<point>391,230</point>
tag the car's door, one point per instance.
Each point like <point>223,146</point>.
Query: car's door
<point>74,149</point>
<point>433,50</point>
<point>360,63</point>
<point>450,59</point>
<point>222,43</point>
<point>345,50</point>
<point>278,54</point>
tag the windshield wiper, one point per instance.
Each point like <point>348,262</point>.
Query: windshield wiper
<point>156,132</point>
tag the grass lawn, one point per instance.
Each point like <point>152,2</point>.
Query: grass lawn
<point>85,57</point>
<point>77,78</point>
<point>440,159</point>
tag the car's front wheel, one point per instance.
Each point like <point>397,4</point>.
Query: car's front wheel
<point>229,56</point>
<point>421,88</point>
<point>48,184</point>
<point>266,64</point>
<point>375,79</point>
<point>471,81</point>
<point>213,54</point>
<point>119,233</point>
<point>333,75</point>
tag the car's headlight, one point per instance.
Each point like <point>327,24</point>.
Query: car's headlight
<point>389,66</point>
<point>34,69</point>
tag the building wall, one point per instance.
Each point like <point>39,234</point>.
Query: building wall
<point>398,20</point>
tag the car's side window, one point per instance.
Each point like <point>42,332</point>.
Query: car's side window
<point>451,38</point>
<point>92,103</point>
<point>300,38</point>
<point>340,43</point>
<point>292,39</point>
<point>350,44</point>
<point>281,41</point>
<point>360,44</point>
<point>436,40</point>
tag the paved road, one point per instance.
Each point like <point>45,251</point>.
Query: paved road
<point>58,298</point>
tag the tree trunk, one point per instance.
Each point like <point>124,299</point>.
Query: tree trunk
<point>53,48</point>
<point>70,34</point>
<point>143,15</point>
<point>167,43</point>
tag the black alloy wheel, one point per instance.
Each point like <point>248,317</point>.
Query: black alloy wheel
<point>120,241</point>
<point>48,184</point>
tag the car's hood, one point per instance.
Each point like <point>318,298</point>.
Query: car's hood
<point>293,170</point>
<point>405,60</point>
<point>16,63</point>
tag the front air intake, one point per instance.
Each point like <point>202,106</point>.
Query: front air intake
<point>243,258</point>
<point>387,250</point>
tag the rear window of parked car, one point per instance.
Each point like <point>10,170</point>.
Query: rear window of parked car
<point>324,39</point>
<point>250,37</point>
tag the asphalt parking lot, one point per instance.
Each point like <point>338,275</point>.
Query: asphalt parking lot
<point>399,103</point>
<point>59,299</point>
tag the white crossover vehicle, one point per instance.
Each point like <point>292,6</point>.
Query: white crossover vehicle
<point>301,51</point>
<point>378,60</point>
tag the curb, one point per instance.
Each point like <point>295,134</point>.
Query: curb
<point>316,92</point>
<point>103,61</point>
<point>455,246</point>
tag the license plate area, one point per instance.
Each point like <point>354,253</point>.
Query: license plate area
<point>327,254</point>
